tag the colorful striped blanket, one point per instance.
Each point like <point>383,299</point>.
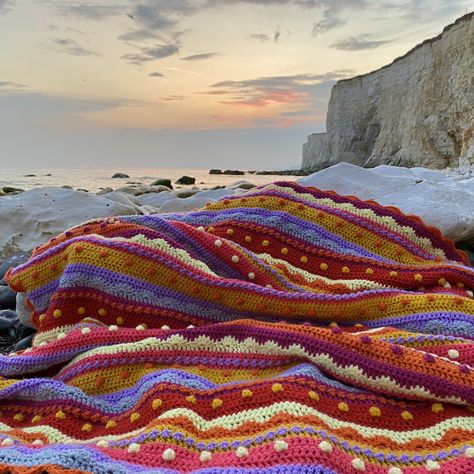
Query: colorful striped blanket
<point>287,330</point>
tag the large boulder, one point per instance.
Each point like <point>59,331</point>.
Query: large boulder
<point>162,182</point>
<point>186,180</point>
<point>33,217</point>
<point>120,176</point>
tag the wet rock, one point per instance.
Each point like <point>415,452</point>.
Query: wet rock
<point>215,171</point>
<point>25,331</point>
<point>120,176</point>
<point>233,172</point>
<point>13,261</point>
<point>186,180</point>
<point>9,190</point>
<point>162,182</point>
<point>8,319</point>
<point>185,193</point>
<point>7,298</point>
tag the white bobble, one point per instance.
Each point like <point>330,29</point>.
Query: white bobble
<point>169,454</point>
<point>12,354</point>
<point>28,349</point>
<point>61,335</point>
<point>453,354</point>
<point>469,452</point>
<point>218,243</point>
<point>358,464</point>
<point>102,443</point>
<point>140,327</point>
<point>191,326</point>
<point>235,259</point>
<point>165,327</point>
<point>205,456</point>
<point>7,442</point>
<point>432,465</point>
<point>113,328</point>
<point>251,276</point>
<point>269,286</point>
<point>325,447</point>
<point>200,228</point>
<point>42,344</point>
<point>447,285</point>
<point>86,330</point>
<point>280,445</point>
<point>242,452</point>
<point>470,294</point>
<point>134,448</point>
<point>38,442</point>
<point>395,470</point>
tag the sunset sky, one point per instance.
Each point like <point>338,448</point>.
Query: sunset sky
<point>188,83</point>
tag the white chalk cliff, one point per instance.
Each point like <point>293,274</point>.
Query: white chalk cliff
<point>417,111</point>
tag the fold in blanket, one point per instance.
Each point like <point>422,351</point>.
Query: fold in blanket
<point>287,330</point>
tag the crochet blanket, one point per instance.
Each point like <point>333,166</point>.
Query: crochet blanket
<point>288,330</point>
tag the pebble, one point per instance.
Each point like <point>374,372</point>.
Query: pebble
<point>7,298</point>
<point>24,343</point>
<point>8,319</point>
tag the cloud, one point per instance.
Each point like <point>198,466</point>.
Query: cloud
<point>90,11</point>
<point>152,53</point>
<point>299,89</point>
<point>260,37</point>
<point>69,46</point>
<point>172,98</point>
<point>358,43</point>
<point>5,85</point>
<point>330,21</point>
<point>156,74</point>
<point>199,57</point>
<point>5,6</point>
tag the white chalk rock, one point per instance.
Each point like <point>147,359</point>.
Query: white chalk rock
<point>439,200</point>
<point>33,217</point>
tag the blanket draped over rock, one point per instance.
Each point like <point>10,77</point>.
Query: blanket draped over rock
<point>286,330</point>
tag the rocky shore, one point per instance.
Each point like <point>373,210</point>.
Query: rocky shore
<point>444,199</point>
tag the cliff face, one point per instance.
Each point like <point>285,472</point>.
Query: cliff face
<point>417,111</point>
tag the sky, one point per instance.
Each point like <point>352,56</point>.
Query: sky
<point>188,83</point>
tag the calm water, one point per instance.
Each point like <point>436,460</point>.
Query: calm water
<point>94,179</point>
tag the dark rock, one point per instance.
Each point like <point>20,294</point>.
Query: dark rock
<point>30,175</point>
<point>7,298</point>
<point>25,331</point>
<point>215,171</point>
<point>8,319</point>
<point>162,182</point>
<point>83,190</point>
<point>285,172</point>
<point>185,193</point>
<point>11,190</point>
<point>120,176</point>
<point>468,248</point>
<point>48,174</point>
<point>186,180</point>
<point>13,261</point>
<point>233,172</point>
<point>24,343</point>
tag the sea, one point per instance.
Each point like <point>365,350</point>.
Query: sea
<point>94,180</point>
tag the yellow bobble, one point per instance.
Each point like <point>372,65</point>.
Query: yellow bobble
<point>277,387</point>
<point>460,285</point>
<point>265,243</point>
<point>81,310</point>
<point>375,411</point>
<point>369,271</point>
<point>102,312</point>
<point>120,321</point>
<point>343,406</point>
<point>36,419</point>
<point>393,274</point>
<point>437,407</point>
<point>217,403</point>
<point>57,313</point>
<point>156,403</point>
<point>442,281</point>
<point>313,395</point>
<point>42,317</point>
<point>345,269</point>
<point>60,415</point>
<point>191,399</point>
<point>323,266</point>
<point>230,231</point>
<point>86,427</point>
<point>284,251</point>
<point>110,424</point>
<point>19,417</point>
<point>406,415</point>
<point>246,393</point>
<point>134,417</point>
<point>418,277</point>
<point>248,238</point>
<point>304,259</point>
